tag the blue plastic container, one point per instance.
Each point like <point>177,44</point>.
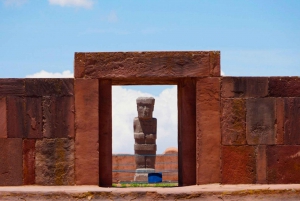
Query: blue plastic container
<point>155,177</point>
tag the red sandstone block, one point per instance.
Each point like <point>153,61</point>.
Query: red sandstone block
<point>187,134</point>
<point>146,64</point>
<point>49,87</point>
<point>261,164</point>
<point>260,121</point>
<point>105,133</point>
<point>34,119</point>
<point>54,161</point>
<point>233,124</point>
<point>291,121</point>
<point>28,161</point>
<point>79,65</point>
<point>58,115</point>
<point>16,117</point>
<point>208,131</point>
<point>283,164</point>
<point>87,131</point>
<point>284,86</point>
<point>238,165</point>
<point>11,162</point>
<point>279,120</point>
<point>244,87</point>
<point>10,86</point>
<point>3,119</point>
<point>214,58</point>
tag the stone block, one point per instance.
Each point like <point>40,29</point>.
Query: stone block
<point>283,164</point>
<point>16,126</point>
<point>279,120</point>
<point>261,164</point>
<point>260,120</point>
<point>187,131</point>
<point>11,162</point>
<point>238,165</point>
<point>291,121</point>
<point>3,118</point>
<point>108,65</point>
<point>284,86</point>
<point>214,60</point>
<point>13,87</point>
<point>58,117</point>
<point>105,133</point>
<point>54,162</point>
<point>28,161</point>
<point>208,132</point>
<point>34,118</point>
<point>49,87</point>
<point>87,131</point>
<point>233,124</point>
<point>244,87</point>
<point>79,64</point>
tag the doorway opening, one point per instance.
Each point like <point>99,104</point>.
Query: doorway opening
<point>124,110</point>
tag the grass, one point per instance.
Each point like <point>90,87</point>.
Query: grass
<point>129,185</point>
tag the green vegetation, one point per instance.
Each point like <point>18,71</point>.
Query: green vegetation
<point>134,184</point>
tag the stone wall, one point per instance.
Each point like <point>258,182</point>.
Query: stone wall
<point>230,129</point>
<point>36,132</point>
<point>124,167</point>
<point>260,126</point>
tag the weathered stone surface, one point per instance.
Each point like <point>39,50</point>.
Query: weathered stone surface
<point>279,120</point>
<point>34,118</point>
<point>79,64</point>
<point>49,87</point>
<point>244,87</point>
<point>284,86</point>
<point>233,124</point>
<point>208,130</point>
<point>214,60</point>
<point>291,122</point>
<point>87,132</point>
<point>3,119</point>
<point>283,164</point>
<point>58,117</point>
<point>187,131</point>
<point>28,161</point>
<point>238,165</point>
<point>261,164</point>
<point>105,133</point>
<point>147,64</point>
<point>16,127</point>
<point>10,86</point>
<point>11,162</point>
<point>54,162</point>
<point>260,121</point>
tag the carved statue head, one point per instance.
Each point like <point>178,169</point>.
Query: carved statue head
<point>145,107</point>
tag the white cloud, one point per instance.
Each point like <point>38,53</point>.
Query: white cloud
<point>76,3</point>
<point>45,74</point>
<point>222,73</point>
<point>14,2</point>
<point>124,110</point>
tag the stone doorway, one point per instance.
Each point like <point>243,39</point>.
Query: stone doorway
<point>193,74</point>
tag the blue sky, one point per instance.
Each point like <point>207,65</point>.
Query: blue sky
<point>255,37</point>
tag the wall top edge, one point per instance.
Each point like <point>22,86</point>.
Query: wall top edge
<point>141,52</point>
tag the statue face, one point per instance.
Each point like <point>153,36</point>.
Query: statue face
<point>145,110</point>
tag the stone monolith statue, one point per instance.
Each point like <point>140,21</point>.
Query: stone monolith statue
<point>145,138</point>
